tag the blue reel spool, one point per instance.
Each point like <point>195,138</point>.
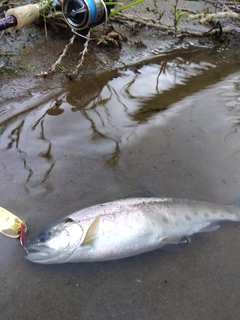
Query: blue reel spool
<point>82,14</point>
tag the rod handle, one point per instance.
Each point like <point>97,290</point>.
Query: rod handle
<point>25,15</point>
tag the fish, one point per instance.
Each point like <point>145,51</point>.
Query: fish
<point>124,228</point>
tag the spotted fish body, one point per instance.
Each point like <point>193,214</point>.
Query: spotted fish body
<point>125,228</point>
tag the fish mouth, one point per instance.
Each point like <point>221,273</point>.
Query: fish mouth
<point>32,250</point>
<point>56,243</point>
<point>36,255</point>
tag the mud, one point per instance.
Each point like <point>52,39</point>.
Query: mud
<point>27,52</point>
<point>178,137</point>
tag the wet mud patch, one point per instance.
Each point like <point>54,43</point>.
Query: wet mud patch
<point>27,52</point>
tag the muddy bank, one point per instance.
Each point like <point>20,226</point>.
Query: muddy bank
<point>27,52</point>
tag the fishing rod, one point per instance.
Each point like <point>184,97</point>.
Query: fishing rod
<point>78,14</point>
<point>20,16</point>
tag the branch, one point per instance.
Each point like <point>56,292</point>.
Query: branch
<point>57,63</point>
<point>73,73</point>
<point>203,17</point>
<point>148,22</point>
<point>154,24</point>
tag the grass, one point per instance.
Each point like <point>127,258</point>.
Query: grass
<point>122,6</point>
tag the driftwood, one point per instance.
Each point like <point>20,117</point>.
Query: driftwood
<point>143,21</point>
<point>154,24</point>
<point>208,17</point>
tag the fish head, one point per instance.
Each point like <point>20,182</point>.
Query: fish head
<point>56,243</point>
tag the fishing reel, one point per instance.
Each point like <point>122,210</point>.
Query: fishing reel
<point>85,14</point>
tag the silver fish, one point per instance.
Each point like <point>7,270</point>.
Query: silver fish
<point>125,228</point>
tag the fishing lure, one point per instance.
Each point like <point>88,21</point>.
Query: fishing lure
<point>13,227</point>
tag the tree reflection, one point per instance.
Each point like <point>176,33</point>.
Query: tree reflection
<point>117,105</point>
<point>17,141</point>
<point>93,106</point>
<point>14,138</point>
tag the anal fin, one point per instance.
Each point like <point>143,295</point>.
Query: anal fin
<point>212,226</point>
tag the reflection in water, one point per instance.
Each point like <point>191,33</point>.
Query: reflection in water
<point>33,176</point>
<point>100,116</point>
<point>92,102</point>
<point>233,104</point>
<point>14,138</point>
<point>162,70</point>
<point>116,109</point>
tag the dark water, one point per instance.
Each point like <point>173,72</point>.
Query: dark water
<point>167,127</point>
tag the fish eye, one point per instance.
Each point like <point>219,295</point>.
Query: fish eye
<point>44,236</point>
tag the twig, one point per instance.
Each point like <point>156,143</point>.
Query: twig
<point>72,73</point>
<point>58,62</point>
<point>226,2</point>
<point>158,26</point>
<point>217,26</point>
<point>148,22</point>
<point>45,27</point>
<point>210,16</point>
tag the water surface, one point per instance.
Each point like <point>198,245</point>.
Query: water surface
<point>167,127</point>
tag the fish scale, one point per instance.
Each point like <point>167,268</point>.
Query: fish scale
<point>124,228</point>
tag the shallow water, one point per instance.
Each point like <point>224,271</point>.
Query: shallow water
<point>166,127</point>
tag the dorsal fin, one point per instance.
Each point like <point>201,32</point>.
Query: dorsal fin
<point>92,232</point>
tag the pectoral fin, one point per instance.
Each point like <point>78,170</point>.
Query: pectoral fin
<point>171,240</point>
<point>92,232</point>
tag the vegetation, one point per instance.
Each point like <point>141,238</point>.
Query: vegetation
<point>178,16</point>
<point>122,6</point>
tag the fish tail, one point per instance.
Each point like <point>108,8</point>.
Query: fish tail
<point>230,213</point>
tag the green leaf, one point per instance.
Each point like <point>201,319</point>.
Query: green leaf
<point>125,7</point>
